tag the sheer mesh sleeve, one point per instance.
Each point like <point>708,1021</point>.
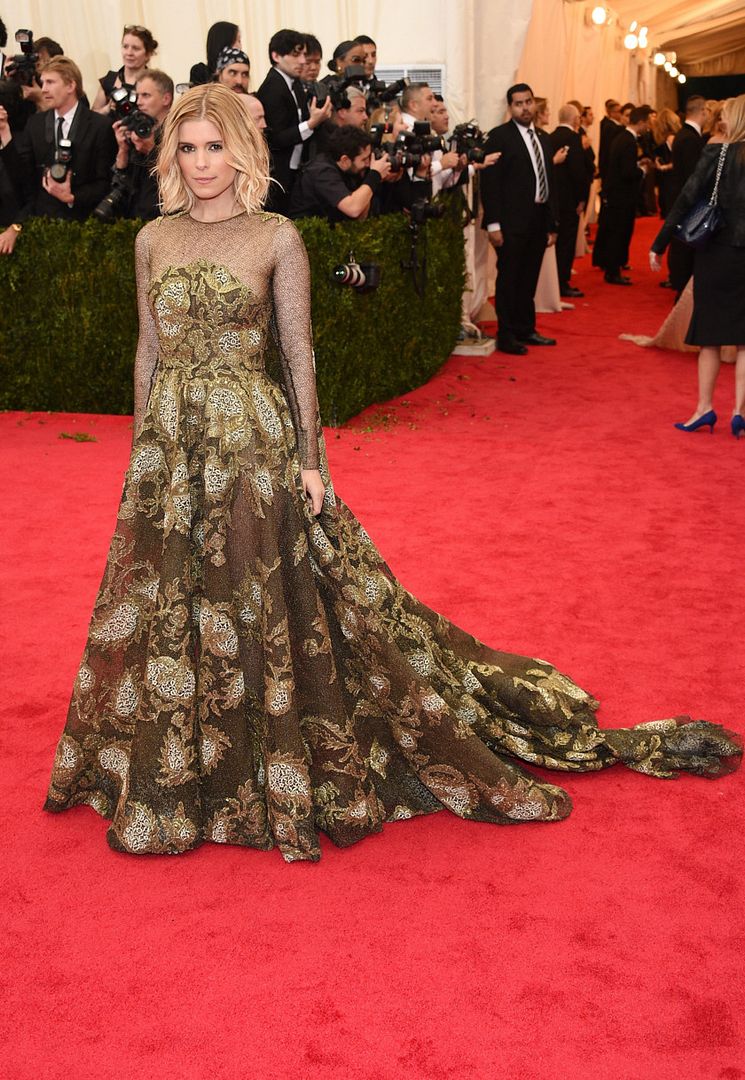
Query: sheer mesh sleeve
<point>147,343</point>
<point>291,295</point>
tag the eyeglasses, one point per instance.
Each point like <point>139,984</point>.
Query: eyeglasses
<point>134,29</point>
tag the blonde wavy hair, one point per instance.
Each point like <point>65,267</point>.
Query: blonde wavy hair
<point>665,123</point>
<point>733,114</point>
<point>245,148</point>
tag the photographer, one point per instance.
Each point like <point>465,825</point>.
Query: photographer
<point>341,183</point>
<point>371,55</point>
<point>138,48</point>
<point>416,103</point>
<point>291,116</point>
<point>346,54</point>
<point>350,110</point>
<point>134,192</point>
<point>409,178</point>
<point>233,69</point>
<point>311,59</point>
<point>61,163</point>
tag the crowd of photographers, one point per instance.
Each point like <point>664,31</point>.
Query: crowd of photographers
<point>342,146</point>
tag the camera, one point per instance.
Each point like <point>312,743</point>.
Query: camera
<point>109,207</point>
<point>22,68</point>
<point>470,140</point>
<point>62,163</point>
<point>127,113</point>
<point>423,210</point>
<point>424,141</point>
<point>361,276</point>
<point>335,86</point>
<point>380,93</point>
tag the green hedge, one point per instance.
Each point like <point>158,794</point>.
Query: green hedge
<point>68,328</point>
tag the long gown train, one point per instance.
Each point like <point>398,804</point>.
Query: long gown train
<point>254,674</point>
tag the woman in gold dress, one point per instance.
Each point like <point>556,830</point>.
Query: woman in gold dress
<point>254,673</point>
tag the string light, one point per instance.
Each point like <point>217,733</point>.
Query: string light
<point>631,40</point>
<point>668,66</point>
<point>599,15</point>
<point>674,73</point>
<point>659,58</point>
<point>681,78</point>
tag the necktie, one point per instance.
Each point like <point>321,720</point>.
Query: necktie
<point>60,122</point>
<point>542,182</point>
<point>297,89</point>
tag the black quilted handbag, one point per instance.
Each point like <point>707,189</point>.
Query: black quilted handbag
<point>702,221</point>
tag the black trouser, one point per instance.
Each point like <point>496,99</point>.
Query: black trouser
<point>518,266</point>
<point>619,228</point>
<point>679,264</point>
<point>566,244</point>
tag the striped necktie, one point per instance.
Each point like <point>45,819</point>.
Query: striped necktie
<point>542,182</point>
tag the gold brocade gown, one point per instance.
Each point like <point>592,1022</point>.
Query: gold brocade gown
<point>254,674</point>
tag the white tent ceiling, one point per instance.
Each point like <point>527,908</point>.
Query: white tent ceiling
<point>707,35</point>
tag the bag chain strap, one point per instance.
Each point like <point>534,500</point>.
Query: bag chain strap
<point>720,166</point>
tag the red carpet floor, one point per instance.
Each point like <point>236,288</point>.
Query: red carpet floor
<point>547,505</point>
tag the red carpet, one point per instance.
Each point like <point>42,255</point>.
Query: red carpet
<point>547,505</point>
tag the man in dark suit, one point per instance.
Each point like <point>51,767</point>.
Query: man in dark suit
<point>624,175</point>
<point>687,146</point>
<point>610,126</point>
<point>291,119</point>
<point>573,189</point>
<point>29,156</point>
<point>519,199</point>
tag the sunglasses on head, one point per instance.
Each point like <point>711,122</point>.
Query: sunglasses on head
<point>132,29</point>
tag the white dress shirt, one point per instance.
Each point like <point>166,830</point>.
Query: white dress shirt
<point>67,119</point>
<point>305,130</point>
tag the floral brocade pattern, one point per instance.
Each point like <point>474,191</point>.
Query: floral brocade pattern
<point>254,674</point>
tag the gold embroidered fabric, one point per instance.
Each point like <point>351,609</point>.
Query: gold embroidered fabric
<point>254,674</point>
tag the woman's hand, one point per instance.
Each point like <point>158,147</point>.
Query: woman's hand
<point>654,261</point>
<point>314,489</point>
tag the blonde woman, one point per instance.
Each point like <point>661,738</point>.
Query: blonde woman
<point>665,127</point>
<point>253,671</point>
<point>719,269</point>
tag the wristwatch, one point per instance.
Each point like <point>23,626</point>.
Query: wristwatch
<point>16,228</point>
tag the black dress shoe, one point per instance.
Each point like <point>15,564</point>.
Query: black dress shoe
<point>514,348</point>
<point>537,339</point>
<point>569,290</point>
<point>617,279</point>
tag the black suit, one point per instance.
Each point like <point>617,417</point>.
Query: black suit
<point>618,213</point>
<point>572,188</point>
<point>93,152</point>
<point>687,148</point>
<point>508,194</point>
<point>609,129</point>
<point>282,134</point>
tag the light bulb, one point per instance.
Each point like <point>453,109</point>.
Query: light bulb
<point>633,26</point>
<point>672,57</point>
<point>643,37</point>
<point>659,59</point>
<point>599,15</point>
<point>681,78</point>
<point>674,73</point>
<point>631,41</point>
<point>668,65</point>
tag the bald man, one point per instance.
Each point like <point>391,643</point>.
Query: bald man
<point>572,189</point>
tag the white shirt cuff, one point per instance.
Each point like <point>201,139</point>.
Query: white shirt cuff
<point>305,131</point>
<point>494,227</point>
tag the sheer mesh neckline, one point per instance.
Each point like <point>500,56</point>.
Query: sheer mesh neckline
<point>218,221</point>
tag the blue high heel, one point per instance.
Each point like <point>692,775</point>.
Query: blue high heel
<point>737,425</point>
<point>709,419</point>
